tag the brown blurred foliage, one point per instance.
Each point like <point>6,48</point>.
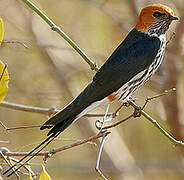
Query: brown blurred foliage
<point>49,73</point>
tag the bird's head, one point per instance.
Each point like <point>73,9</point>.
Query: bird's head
<point>155,19</point>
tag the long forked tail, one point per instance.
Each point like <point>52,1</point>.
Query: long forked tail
<point>81,105</point>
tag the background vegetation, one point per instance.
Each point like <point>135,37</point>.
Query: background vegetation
<point>49,73</point>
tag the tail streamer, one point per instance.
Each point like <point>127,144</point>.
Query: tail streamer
<point>47,141</point>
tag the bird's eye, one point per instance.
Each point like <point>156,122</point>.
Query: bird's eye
<point>158,14</point>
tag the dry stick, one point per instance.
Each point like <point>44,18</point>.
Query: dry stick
<point>45,111</point>
<point>3,125</point>
<point>118,123</point>
<point>97,168</point>
<point>105,116</point>
<point>9,164</point>
<point>62,148</point>
<point>14,42</point>
<point>26,127</point>
<point>27,168</point>
<point>45,143</point>
<point>157,96</point>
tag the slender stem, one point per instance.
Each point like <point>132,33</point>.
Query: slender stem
<point>162,94</point>
<point>97,168</point>
<point>119,122</point>
<point>55,150</point>
<point>14,42</point>
<point>54,27</point>
<point>157,96</point>
<point>105,116</point>
<point>157,125</point>
<point>9,164</point>
<point>46,111</point>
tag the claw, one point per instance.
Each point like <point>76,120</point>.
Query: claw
<point>136,112</point>
<point>136,107</point>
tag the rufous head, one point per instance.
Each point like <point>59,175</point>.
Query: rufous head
<point>153,14</point>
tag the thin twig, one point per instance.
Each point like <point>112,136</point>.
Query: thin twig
<point>97,168</point>
<point>3,125</point>
<point>157,125</point>
<point>57,29</point>
<point>14,42</point>
<point>8,162</point>
<point>25,127</point>
<point>62,148</point>
<point>45,111</point>
<point>158,95</point>
<point>20,107</point>
<point>118,123</point>
<point>27,167</point>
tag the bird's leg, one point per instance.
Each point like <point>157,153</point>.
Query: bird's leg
<point>136,108</point>
<point>97,167</point>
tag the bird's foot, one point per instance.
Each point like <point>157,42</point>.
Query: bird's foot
<point>136,108</point>
<point>136,112</point>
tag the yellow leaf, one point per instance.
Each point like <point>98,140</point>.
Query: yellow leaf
<point>1,30</point>
<point>4,78</point>
<point>44,175</point>
<point>30,177</point>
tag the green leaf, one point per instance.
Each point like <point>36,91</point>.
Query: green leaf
<point>4,79</point>
<point>44,175</point>
<point>1,30</point>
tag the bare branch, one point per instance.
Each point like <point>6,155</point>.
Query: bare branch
<point>46,111</point>
<point>97,168</point>
<point>14,42</point>
<point>55,150</point>
<point>57,29</point>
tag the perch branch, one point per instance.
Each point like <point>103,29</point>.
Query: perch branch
<point>45,111</point>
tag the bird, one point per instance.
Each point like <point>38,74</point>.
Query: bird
<point>132,63</point>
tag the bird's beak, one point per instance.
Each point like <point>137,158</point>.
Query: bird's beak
<point>173,18</point>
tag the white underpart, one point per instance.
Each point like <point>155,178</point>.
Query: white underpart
<point>91,107</point>
<point>124,93</point>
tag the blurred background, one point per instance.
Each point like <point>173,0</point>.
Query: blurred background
<point>49,73</point>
